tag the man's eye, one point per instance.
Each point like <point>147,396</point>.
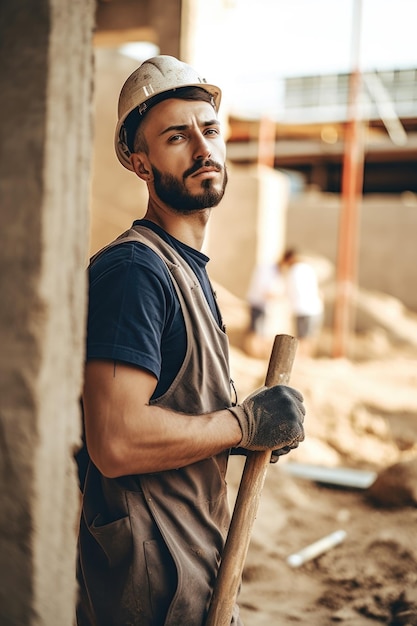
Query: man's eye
<point>212,131</point>
<point>175,138</point>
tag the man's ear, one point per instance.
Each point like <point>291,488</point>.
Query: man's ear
<point>141,166</point>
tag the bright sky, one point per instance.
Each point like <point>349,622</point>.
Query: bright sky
<point>314,36</point>
<point>281,38</point>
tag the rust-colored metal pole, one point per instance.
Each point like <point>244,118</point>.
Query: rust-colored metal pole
<point>266,142</point>
<point>352,181</point>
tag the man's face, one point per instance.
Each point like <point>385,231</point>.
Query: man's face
<point>186,154</point>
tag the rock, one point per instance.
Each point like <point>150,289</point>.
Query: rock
<point>396,486</point>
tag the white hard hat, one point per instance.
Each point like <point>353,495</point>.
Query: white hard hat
<point>155,76</point>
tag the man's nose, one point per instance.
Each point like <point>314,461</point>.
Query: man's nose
<point>202,149</point>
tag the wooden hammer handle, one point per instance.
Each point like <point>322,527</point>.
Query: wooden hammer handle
<point>247,500</point>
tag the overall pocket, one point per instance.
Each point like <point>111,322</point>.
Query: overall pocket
<point>114,538</point>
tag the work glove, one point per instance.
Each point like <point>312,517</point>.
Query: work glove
<point>271,418</point>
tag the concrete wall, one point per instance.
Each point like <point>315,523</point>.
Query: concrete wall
<point>117,195</point>
<point>45,143</point>
<point>387,258</point>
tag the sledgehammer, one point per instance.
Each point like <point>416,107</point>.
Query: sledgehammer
<point>253,477</point>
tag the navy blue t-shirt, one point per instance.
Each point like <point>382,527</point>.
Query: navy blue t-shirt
<point>134,315</point>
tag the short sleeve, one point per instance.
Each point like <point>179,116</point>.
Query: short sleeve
<point>132,306</point>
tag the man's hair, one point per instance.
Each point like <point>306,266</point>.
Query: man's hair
<point>289,255</point>
<point>139,142</point>
<point>134,136</point>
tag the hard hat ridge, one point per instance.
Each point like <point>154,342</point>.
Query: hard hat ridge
<point>150,83</point>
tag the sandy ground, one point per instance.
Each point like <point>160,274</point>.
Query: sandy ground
<point>361,414</point>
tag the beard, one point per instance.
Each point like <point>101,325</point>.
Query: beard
<point>173,192</point>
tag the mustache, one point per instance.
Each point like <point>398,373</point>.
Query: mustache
<point>202,163</point>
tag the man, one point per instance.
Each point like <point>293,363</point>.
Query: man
<point>159,420</point>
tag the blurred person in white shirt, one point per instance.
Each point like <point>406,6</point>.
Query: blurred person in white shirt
<point>302,288</point>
